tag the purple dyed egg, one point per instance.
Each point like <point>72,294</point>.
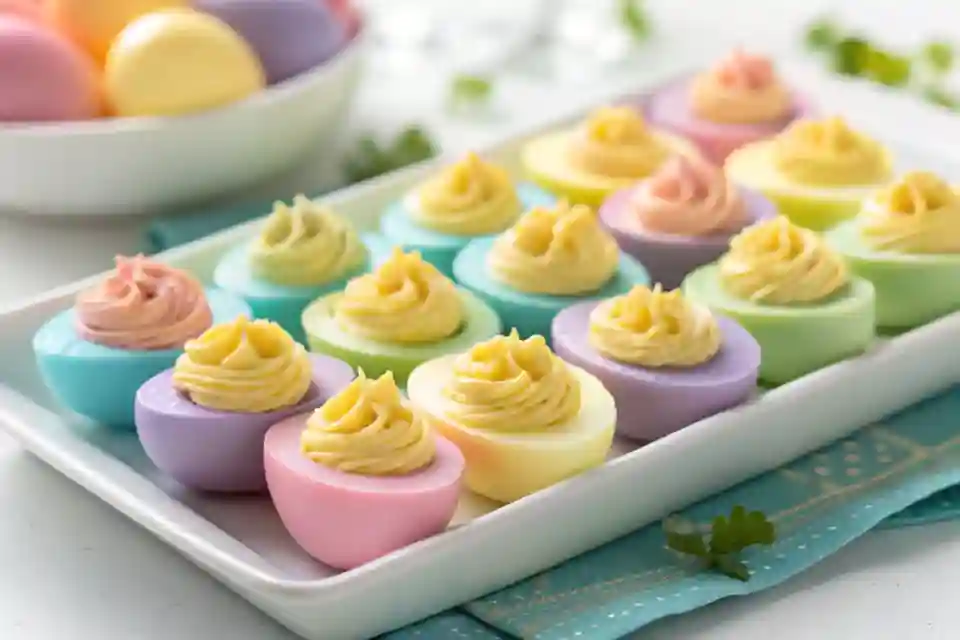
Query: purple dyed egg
<point>289,36</point>
<point>668,257</point>
<point>219,451</point>
<point>652,403</point>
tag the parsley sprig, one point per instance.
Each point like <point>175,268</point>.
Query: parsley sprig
<point>729,537</point>
<point>851,54</point>
<point>371,158</point>
<point>470,90</point>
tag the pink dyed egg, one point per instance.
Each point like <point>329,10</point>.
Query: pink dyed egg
<point>43,76</point>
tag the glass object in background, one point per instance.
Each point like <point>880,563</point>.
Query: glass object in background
<point>454,35</point>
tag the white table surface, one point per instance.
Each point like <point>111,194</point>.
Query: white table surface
<point>72,568</point>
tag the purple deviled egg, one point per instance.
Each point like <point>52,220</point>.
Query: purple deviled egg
<point>681,218</point>
<point>203,422</point>
<point>667,362</point>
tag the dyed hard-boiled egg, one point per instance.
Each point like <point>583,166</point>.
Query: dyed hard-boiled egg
<point>179,61</point>
<point>95,23</point>
<point>289,36</point>
<point>43,76</point>
<point>31,9</point>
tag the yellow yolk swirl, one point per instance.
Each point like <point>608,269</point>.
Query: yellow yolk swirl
<point>305,244</point>
<point>471,197</point>
<point>406,300</point>
<point>741,89</point>
<point>511,385</point>
<point>777,262</point>
<point>829,153</point>
<point>920,214</point>
<point>369,429</point>
<point>559,251</point>
<point>249,366</point>
<point>654,329</point>
<point>615,142</point>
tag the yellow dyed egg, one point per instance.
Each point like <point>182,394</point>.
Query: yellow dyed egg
<point>95,23</point>
<point>176,62</point>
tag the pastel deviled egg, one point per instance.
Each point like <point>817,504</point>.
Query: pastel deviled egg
<point>523,418</point>
<point>550,259</point>
<point>362,476</point>
<point>203,422</point>
<point>816,171</point>
<point>402,314</point>
<point>304,250</point>
<point>123,331</point>
<point>906,241</point>
<point>793,292</point>
<point>739,100</point>
<point>682,217</point>
<point>667,361</point>
<point>468,199</point>
<point>609,151</point>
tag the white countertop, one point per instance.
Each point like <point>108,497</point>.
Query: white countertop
<point>72,568</point>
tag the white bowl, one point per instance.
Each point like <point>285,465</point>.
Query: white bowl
<point>133,166</point>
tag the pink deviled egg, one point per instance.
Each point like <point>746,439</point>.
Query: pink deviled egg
<point>739,100</point>
<point>362,476</point>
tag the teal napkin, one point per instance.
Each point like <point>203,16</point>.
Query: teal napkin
<point>819,503</point>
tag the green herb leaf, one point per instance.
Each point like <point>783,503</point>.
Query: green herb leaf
<point>729,537</point>
<point>732,566</point>
<point>469,89</point>
<point>941,97</point>
<point>370,159</point>
<point>938,55</point>
<point>633,17</point>
<point>822,35</point>
<point>851,56</point>
<point>682,537</point>
<point>888,68</point>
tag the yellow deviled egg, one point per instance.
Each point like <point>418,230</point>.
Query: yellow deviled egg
<point>816,171</point>
<point>610,150</point>
<point>523,418</point>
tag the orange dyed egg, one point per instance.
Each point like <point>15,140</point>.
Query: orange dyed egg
<point>95,23</point>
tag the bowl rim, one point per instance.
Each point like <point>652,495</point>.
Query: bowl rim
<point>154,124</point>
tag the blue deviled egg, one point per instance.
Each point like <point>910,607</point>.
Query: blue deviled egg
<point>304,251</point>
<point>122,332</point>
<point>469,199</point>
<point>550,259</point>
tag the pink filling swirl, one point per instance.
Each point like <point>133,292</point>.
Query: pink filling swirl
<point>143,305</point>
<point>688,197</point>
<point>741,70</point>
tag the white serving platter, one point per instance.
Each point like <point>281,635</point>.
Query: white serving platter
<point>242,543</point>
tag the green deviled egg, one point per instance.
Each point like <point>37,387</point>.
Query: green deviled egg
<point>793,293</point>
<point>906,241</point>
<point>397,317</point>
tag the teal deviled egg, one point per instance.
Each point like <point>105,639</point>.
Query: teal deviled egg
<point>550,259</point>
<point>304,250</point>
<point>397,317</point>
<point>469,199</point>
<point>122,332</point>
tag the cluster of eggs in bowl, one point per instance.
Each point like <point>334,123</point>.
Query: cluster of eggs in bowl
<point>136,106</point>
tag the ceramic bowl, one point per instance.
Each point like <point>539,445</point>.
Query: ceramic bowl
<point>134,166</point>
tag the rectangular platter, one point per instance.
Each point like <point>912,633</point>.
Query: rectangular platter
<point>242,543</point>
